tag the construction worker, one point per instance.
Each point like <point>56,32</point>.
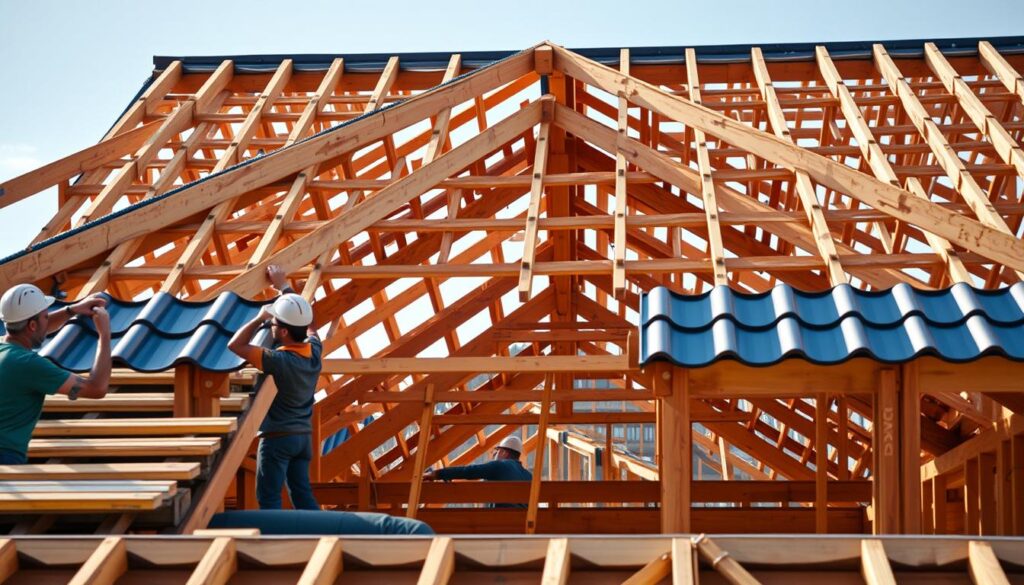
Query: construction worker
<point>504,466</point>
<point>26,378</point>
<point>285,447</point>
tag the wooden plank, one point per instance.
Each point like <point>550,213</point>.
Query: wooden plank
<point>804,187</point>
<point>653,572</point>
<point>439,131</point>
<point>998,65</point>
<point>875,564</point>
<point>540,161</point>
<point>716,250</point>
<point>440,562</point>
<point>124,447</point>
<point>109,486</point>
<point>539,452</point>
<point>170,470</point>
<point>141,402</point>
<point>621,194</point>
<point>134,427</point>
<point>150,99</point>
<point>556,562</point>
<point>204,196</point>
<point>421,452</point>
<point>983,564</point>
<point>73,502</point>
<point>985,240</point>
<point>218,565</point>
<point>210,500</point>
<point>728,567</point>
<point>684,562</point>
<point>325,565</point>
<point>583,363</point>
<point>105,565</point>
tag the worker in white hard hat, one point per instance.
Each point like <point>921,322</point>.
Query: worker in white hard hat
<point>26,378</point>
<point>505,465</point>
<point>286,448</point>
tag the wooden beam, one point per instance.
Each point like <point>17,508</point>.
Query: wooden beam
<point>556,562</point>
<point>676,473</point>
<point>945,156</point>
<point>875,564</point>
<point>1005,145</point>
<point>204,196</point>
<point>684,562</point>
<point>984,565</point>
<point>621,194</point>
<point>421,452</point>
<point>105,565</point>
<point>653,572</point>
<point>540,160</point>
<point>218,564</point>
<point>343,227</point>
<point>325,565</point>
<point>1002,69</point>
<point>886,448</point>
<point>728,567</point>
<point>804,187</point>
<point>872,153</point>
<point>910,446</point>
<point>999,246</point>
<point>440,562</point>
<point>582,363</point>
<point>716,251</point>
<point>821,407</point>
<point>538,456</point>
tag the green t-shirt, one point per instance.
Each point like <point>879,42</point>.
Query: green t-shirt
<point>25,379</point>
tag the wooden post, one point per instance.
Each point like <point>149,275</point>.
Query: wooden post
<point>1017,479</point>
<point>820,464</point>
<point>886,480</point>
<point>183,379</point>
<point>538,457</point>
<point>676,470</point>
<point>972,501</point>
<point>987,493</point>
<point>910,456</point>
<point>939,504</point>
<point>416,482</point>
<point>1004,484</point>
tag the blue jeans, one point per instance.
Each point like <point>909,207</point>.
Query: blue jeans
<point>275,522</point>
<point>8,457</point>
<point>280,459</point>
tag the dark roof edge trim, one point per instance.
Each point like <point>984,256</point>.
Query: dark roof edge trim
<point>638,55</point>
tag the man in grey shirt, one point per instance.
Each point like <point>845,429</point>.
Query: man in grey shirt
<point>285,448</point>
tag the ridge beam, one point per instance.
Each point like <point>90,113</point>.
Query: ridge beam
<point>804,187</point>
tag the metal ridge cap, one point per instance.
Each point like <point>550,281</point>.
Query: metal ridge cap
<point>654,54</point>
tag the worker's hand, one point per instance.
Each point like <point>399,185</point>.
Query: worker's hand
<point>430,475</point>
<point>89,304</point>
<point>264,314</point>
<point>101,320</point>
<point>277,276</point>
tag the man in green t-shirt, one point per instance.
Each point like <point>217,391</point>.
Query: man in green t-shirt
<point>26,378</point>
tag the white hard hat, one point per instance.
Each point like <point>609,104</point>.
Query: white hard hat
<point>23,302</point>
<point>292,309</point>
<point>512,443</point>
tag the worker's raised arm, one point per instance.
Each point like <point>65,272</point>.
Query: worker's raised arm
<point>95,386</point>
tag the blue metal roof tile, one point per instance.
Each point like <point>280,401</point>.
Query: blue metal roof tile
<point>956,324</point>
<point>155,335</point>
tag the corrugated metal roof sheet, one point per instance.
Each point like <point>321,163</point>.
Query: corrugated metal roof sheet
<point>154,335</point>
<point>957,324</point>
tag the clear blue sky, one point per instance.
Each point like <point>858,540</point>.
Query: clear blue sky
<point>69,68</point>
